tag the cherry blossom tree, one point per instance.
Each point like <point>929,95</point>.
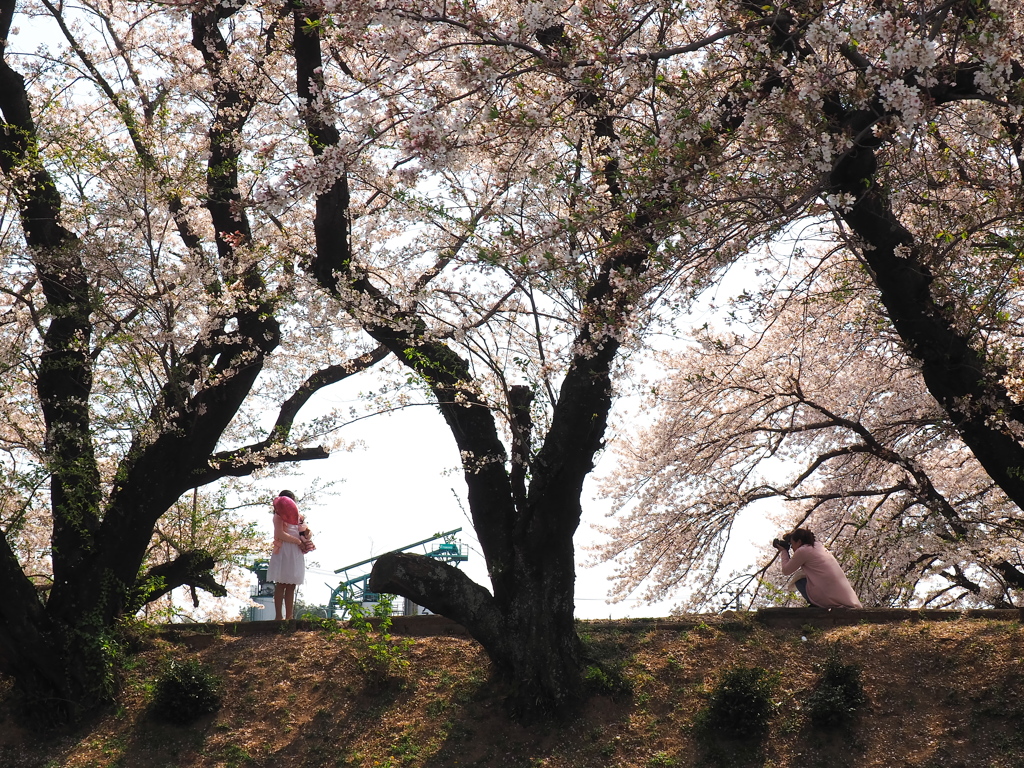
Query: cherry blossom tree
<point>819,414</point>
<point>569,205</point>
<point>142,308</point>
<point>213,206</point>
<point>905,125</point>
<point>605,161</point>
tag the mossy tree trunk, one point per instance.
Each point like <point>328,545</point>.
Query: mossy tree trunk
<point>961,372</point>
<point>58,643</point>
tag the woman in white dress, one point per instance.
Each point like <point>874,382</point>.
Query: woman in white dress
<point>287,563</point>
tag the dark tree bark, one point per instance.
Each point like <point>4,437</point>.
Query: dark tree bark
<point>56,649</point>
<point>526,621</point>
<point>192,568</point>
<point>962,379</point>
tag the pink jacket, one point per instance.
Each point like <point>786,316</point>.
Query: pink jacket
<point>827,586</point>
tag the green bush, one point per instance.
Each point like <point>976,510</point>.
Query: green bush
<point>837,696</point>
<point>606,679</point>
<point>741,704</point>
<point>185,692</point>
<point>381,655</point>
<point>605,670</point>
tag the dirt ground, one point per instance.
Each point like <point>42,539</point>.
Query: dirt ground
<point>939,695</point>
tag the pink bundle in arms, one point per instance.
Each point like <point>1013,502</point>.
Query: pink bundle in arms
<point>306,535</point>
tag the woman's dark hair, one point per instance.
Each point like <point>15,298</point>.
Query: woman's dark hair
<point>802,535</point>
<point>289,494</point>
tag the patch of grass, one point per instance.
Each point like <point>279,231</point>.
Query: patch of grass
<point>662,760</point>
<point>405,748</point>
<point>610,682</point>
<point>810,631</point>
<point>703,628</point>
<point>327,626</point>
<point>435,707</point>
<point>234,756</point>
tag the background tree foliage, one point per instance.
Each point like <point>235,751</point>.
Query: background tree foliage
<point>807,409</point>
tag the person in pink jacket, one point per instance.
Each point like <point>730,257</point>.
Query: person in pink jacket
<point>824,585</point>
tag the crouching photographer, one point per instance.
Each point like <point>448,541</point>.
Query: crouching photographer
<point>823,584</point>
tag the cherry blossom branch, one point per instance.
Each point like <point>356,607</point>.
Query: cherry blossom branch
<point>243,461</point>
<point>175,203</point>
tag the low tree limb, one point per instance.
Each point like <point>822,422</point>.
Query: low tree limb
<point>193,568</point>
<point>441,588</point>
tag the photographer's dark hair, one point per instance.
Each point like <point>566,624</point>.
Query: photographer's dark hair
<point>803,536</point>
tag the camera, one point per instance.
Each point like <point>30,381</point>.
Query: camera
<point>782,543</point>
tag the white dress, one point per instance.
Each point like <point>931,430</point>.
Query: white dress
<point>287,564</point>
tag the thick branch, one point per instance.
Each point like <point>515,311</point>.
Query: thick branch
<point>1011,574</point>
<point>441,588</point>
<point>247,459</point>
<point>234,98</point>
<point>959,578</point>
<point>519,399</point>
<point>331,225</point>
<point>21,605</point>
<point>192,568</point>
<point>26,633</point>
<point>244,461</point>
<point>967,386</point>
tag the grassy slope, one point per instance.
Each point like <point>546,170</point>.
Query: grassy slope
<point>941,694</point>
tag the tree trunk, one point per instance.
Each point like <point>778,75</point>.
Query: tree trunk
<point>60,672</point>
<point>968,386</point>
<point>530,635</point>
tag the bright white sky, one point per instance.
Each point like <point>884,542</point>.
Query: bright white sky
<point>405,485</point>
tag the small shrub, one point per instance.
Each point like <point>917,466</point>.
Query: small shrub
<point>597,679</point>
<point>662,760</point>
<point>605,671</point>
<point>327,626</point>
<point>383,657</point>
<point>605,679</point>
<point>837,696</point>
<point>185,692</point>
<point>741,704</point>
